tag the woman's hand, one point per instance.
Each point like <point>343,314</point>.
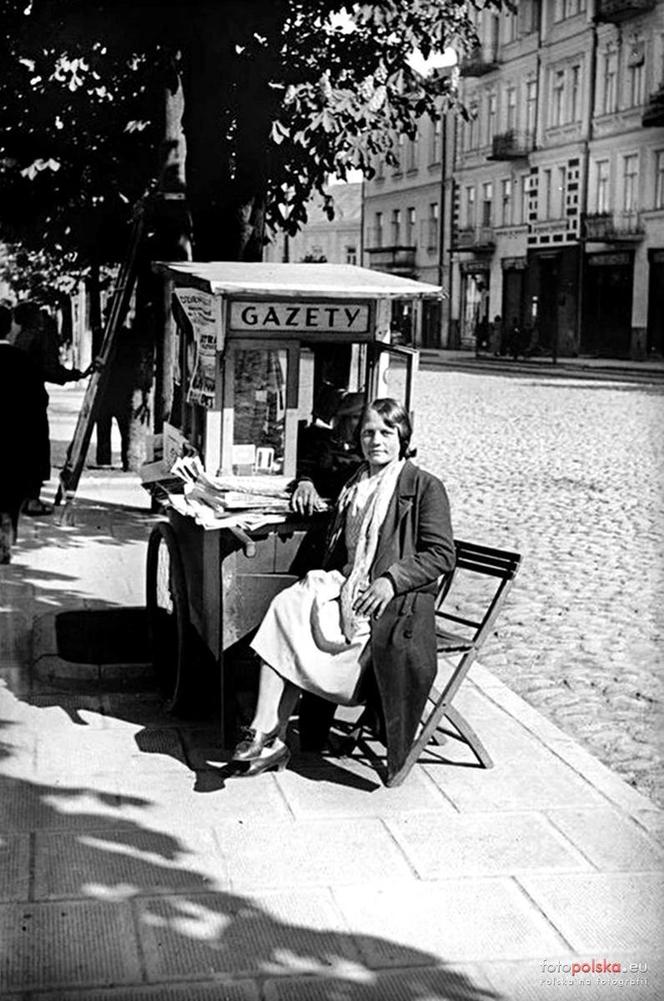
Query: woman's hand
<point>306,499</point>
<point>375,599</point>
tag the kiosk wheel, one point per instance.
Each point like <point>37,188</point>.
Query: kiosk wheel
<point>168,614</point>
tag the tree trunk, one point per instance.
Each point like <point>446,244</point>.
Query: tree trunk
<point>228,140</point>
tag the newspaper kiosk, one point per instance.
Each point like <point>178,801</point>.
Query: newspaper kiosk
<point>247,347</point>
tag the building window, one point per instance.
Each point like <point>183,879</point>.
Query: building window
<point>506,202</point>
<point>473,128</point>
<point>602,185</point>
<point>635,76</point>
<point>558,98</point>
<point>525,198</point>
<point>487,203</point>
<point>399,154</point>
<point>435,140</point>
<point>351,255</point>
<point>378,230</point>
<point>630,182</point>
<point>610,74</point>
<point>492,112</point>
<point>659,179</point>
<point>546,191</point>
<point>558,10</point>
<point>470,207</point>
<point>575,93</point>
<point>410,227</point>
<point>510,102</point>
<point>511,26</point>
<point>411,162</point>
<point>396,227</point>
<point>531,106</point>
<point>433,227</point>
<point>560,193</point>
<point>494,36</point>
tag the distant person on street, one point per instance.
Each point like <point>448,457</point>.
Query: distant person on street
<point>36,335</point>
<point>23,402</point>
<point>514,345</point>
<point>496,342</point>
<point>127,373</point>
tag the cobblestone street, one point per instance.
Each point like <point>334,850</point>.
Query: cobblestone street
<point>571,474</point>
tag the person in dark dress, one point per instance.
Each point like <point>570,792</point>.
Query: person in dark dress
<point>37,337</point>
<point>23,402</point>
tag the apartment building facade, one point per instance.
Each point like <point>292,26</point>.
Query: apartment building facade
<point>337,240</point>
<point>557,179</point>
<point>402,220</point>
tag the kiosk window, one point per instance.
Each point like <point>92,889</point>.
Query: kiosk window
<point>259,435</point>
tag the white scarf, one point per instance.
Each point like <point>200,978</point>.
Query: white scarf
<point>384,484</point>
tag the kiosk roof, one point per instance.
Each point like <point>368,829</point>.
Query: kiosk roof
<point>333,281</point>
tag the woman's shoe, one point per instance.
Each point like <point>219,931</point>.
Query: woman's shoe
<point>253,743</point>
<point>277,758</point>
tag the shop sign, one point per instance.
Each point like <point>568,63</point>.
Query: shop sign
<point>302,317</point>
<point>608,260</point>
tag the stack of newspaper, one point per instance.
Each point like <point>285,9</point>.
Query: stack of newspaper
<point>218,501</point>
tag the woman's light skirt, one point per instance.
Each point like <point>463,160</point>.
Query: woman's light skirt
<point>302,640</point>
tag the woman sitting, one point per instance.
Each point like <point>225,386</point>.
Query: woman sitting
<point>371,607</point>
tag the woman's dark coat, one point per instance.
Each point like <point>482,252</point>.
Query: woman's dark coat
<point>415,547</point>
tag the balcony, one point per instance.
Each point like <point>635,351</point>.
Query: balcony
<point>512,145</point>
<point>613,227</point>
<point>617,11</point>
<point>479,239</point>
<point>654,112</point>
<point>395,260</point>
<point>480,60</point>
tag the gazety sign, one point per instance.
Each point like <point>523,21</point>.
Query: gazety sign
<point>303,317</point>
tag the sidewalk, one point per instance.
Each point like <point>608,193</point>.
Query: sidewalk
<point>612,369</point>
<point>129,870</point>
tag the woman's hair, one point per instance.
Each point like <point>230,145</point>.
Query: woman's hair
<point>395,416</point>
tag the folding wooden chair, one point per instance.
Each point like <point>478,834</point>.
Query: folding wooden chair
<point>470,611</point>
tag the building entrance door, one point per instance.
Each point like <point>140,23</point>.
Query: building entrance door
<point>656,303</point>
<point>513,296</point>
<point>607,317</point>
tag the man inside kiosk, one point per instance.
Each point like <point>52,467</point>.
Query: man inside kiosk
<point>361,628</point>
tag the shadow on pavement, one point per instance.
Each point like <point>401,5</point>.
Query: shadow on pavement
<point>102,870</point>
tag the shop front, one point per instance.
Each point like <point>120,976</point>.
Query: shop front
<point>607,313</point>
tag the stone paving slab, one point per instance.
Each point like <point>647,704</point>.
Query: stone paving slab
<point>452,920</point>
<point>28,806</point>
<point>48,945</point>
<point>539,782</point>
<point>456,983</point>
<point>474,844</point>
<point>158,800</point>
<point>611,786</point>
<point>14,868</point>
<point>350,788</point>
<point>308,853</point>
<point>604,911</point>
<point>609,839</point>
<point>653,821</point>
<point>242,990</point>
<point>528,981</point>
<point>267,935</point>
<point>125,862</point>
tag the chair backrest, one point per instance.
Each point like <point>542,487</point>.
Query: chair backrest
<point>464,617</point>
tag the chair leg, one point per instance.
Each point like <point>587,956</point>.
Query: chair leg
<point>466,731</point>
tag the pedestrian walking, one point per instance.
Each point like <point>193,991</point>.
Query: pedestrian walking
<point>362,627</point>
<point>24,424</point>
<point>496,338</point>
<point>36,335</point>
